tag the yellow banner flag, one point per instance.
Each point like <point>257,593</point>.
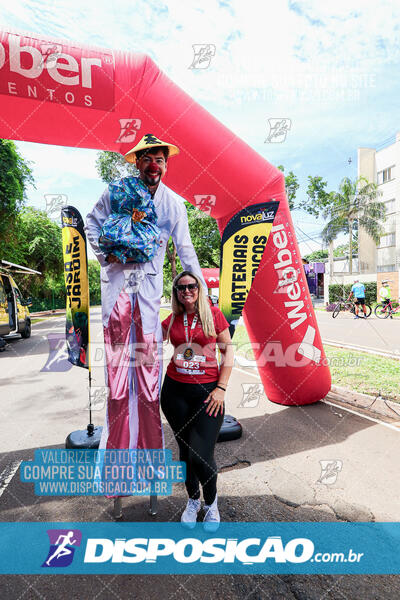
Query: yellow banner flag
<point>76,285</point>
<point>242,248</point>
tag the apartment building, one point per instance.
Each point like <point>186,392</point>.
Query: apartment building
<point>383,167</point>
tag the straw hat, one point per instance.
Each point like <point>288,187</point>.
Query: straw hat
<point>149,141</point>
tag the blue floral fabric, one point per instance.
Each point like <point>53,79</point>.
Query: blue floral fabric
<point>130,231</point>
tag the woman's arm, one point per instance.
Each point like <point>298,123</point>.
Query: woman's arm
<point>216,399</point>
<point>224,342</point>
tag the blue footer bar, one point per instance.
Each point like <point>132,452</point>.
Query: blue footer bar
<point>157,548</point>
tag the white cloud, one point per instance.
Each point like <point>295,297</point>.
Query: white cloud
<point>327,66</point>
<point>256,43</point>
<point>54,162</point>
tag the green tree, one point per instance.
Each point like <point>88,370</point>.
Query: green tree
<point>355,205</point>
<point>316,256</point>
<point>205,236</point>
<point>168,275</point>
<point>291,186</point>
<point>343,249</point>
<point>39,239</point>
<point>318,199</point>
<point>38,245</point>
<point>94,281</point>
<point>112,165</point>
<point>15,176</point>
<point>206,242</point>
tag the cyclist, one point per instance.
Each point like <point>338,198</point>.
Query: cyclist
<point>358,289</point>
<point>385,293</point>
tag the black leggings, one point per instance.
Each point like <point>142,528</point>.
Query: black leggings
<point>195,431</point>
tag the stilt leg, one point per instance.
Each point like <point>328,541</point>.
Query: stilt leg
<point>117,507</point>
<point>153,506</point>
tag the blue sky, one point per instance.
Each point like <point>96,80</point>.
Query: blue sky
<point>331,68</point>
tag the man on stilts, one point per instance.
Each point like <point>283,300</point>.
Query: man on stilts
<point>131,297</point>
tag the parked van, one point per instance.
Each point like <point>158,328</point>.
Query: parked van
<point>14,312</point>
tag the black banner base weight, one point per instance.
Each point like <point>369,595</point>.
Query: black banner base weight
<point>81,439</point>
<point>231,429</point>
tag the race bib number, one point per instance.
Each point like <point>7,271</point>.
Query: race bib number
<point>190,371</point>
<point>192,365</point>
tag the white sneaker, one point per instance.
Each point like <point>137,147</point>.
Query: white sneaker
<point>189,515</point>
<point>211,518</point>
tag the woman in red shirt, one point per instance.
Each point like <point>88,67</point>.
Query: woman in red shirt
<point>192,396</point>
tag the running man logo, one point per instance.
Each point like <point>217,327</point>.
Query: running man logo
<point>50,52</point>
<point>203,54</point>
<point>98,397</point>
<point>129,128</point>
<point>205,202</point>
<point>57,360</point>
<point>54,204</point>
<point>63,543</point>
<point>278,129</point>
<point>330,470</point>
<point>251,395</point>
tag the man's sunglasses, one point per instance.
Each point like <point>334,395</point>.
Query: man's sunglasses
<point>189,286</point>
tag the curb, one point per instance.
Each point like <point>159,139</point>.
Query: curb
<point>366,350</point>
<point>54,311</point>
<point>48,313</point>
<point>375,404</point>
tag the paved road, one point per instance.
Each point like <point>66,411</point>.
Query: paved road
<point>271,474</point>
<point>382,335</point>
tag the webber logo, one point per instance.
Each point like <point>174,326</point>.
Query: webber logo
<point>62,547</point>
<point>191,550</point>
<point>31,68</point>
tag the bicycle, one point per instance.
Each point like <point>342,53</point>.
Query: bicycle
<point>383,311</point>
<point>349,305</point>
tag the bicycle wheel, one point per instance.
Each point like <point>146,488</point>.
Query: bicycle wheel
<point>336,310</point>
<point>368,310</point>
<point>381,311</point>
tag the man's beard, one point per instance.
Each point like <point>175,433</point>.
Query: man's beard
<point>152,179</point>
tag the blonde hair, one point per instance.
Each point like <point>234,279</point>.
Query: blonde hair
<point>202,306</point>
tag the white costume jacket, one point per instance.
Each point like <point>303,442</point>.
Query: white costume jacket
<point>172,220</point>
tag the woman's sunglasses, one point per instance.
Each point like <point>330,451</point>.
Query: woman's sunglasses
<point>189,286</point>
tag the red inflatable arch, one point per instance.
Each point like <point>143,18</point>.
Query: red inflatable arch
<point>58,92</point>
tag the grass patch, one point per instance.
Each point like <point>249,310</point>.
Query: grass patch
<point>364,373</point>
<point>164,312</point>
<point>356,371</point>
